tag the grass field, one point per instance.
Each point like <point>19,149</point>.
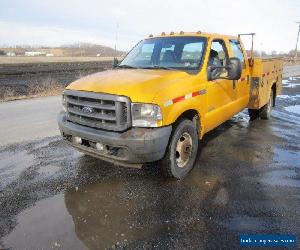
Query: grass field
<point>50,59</point>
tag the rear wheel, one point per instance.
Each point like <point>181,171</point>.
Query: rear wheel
<point>253,113</point>
<point>265,111</point>
<point>182,150</point>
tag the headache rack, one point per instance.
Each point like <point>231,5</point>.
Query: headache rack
<point>98,110</point>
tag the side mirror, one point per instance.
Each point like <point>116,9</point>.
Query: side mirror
<point>232,71</point>
<point>115,62</point>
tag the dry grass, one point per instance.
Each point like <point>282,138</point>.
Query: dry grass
<point>47,87</point>
<point>7,93</point>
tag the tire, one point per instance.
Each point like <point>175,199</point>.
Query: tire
<point>265,111</point>
<point>253,113</point>
<point>182,150</point>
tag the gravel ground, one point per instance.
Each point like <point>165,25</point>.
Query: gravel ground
<point>246,180</point>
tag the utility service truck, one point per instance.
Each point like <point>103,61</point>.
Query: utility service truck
<point>164,96</point>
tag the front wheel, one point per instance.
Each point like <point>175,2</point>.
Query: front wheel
<point>182,150</point>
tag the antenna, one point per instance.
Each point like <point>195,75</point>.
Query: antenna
<point>115,61</point>
<point>116,41</point>
<point>296,49</point>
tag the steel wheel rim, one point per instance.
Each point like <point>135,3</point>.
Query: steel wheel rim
<point>184,149</point>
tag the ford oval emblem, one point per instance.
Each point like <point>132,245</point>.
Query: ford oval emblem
<point>87,110</point>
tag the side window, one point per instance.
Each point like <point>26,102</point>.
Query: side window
<point>237,51</point>
<point>218,54</point>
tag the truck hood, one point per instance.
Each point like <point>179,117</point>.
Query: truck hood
<point>140,85</point>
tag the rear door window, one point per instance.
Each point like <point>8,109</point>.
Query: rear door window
<point>237,51</point>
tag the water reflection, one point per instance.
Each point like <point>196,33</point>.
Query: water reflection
<point>126,210</point>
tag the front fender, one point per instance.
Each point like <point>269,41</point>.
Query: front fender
<point>173,111</point>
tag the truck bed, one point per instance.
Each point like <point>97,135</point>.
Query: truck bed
<point>266,74</point>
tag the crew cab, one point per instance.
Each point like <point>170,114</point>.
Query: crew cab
<point>164,96</point>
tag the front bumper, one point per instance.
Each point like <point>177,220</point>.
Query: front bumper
<point>130,148</point>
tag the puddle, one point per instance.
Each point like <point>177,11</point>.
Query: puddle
<point>285,157</point>
<point>286,178</point>
<point>46,225</point>
<point>112,213</point>
<point>294,109</point>
<point>12,164</point>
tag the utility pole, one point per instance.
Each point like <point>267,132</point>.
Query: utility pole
<point>296,49</point>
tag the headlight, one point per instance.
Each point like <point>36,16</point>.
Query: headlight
<point>64,103</point>
<point>146,115</point>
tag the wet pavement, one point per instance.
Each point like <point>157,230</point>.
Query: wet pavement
<point>246,180</point>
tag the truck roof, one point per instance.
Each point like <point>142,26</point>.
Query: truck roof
<point>198,33</point>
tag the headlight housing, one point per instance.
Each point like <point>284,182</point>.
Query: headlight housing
<point>64,103</point>
<point>146,115</point>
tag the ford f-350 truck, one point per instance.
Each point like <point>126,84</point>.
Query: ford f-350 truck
<point>164,96</point>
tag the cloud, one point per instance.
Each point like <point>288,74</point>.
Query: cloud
<point>64,21</point>
<point>22,34</point>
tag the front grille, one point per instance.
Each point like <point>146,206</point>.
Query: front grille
<point>97,110</point>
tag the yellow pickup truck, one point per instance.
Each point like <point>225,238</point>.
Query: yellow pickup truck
<point>163,97</point>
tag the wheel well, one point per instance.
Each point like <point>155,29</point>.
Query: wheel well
<point>192,115</point>
<point>274,93</point>
<point>188,114</point>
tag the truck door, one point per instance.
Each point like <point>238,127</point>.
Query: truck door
<point>221,93</point>
<point>242,85</point>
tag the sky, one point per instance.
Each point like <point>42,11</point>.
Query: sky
<point>57,22</point>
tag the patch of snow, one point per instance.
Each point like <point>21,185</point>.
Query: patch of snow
<point>294,109</point>
<point>283,96</point>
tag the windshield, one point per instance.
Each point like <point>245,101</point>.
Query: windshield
<point>181,53</point>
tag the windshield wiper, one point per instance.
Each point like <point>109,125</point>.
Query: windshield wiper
<point>158,67</point>
<point>125,66</point>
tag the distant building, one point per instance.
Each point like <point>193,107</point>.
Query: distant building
<point>11,54</point>
<point>35,53</point>
<point>49,54</point>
